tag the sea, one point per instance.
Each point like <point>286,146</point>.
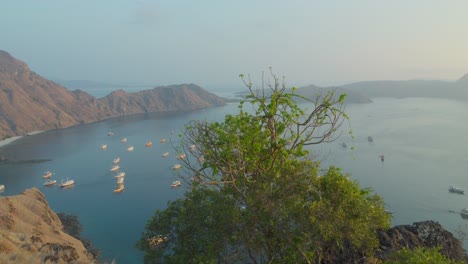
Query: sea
<point>422,140</point>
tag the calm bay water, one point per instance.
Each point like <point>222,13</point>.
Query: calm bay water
<point>422,140</point>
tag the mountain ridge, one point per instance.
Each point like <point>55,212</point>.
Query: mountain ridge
<point>29,102</point>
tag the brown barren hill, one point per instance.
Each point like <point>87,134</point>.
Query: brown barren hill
<point>30,232</point>
<point>29,102</point>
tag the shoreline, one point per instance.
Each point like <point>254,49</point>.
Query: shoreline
<point>10,140</point>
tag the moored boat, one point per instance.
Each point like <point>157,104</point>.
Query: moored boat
<point>119,188</point>
<point>175,184</point>
<point>2,187</point>
<point>67,183</point>
<point>50,182</point>
<point>193,147</point>
<point>124,140</point>
<point>131,148</point>
<point>181,156</point>
<point>163,140</point>
<point>176,166</point>
<point>148,144</point>
<point>115,168</point>
<point>103,146</point>
<point>165,154</point>
<point>116,160</point>
<point>120,175</point>
<point>464,213</point>
<point>454,189</point>
<point>120,180</point>
<point>47,174</point>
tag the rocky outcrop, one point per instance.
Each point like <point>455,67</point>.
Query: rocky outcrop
<point>30,103</point>
<point>30,232</point>
<point>420,234</point>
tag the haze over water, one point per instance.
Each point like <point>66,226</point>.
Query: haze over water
<point>422,140</point>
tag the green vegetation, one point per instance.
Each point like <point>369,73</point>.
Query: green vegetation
<point>257,197</point>
<point>419,255</point>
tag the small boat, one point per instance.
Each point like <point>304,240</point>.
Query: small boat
<point>382,158</point>
<point>390,212</point>
<point>124,140</point>
<point>120,180</point>
<point>344,145</point>
<point>131,148</point>
<point>464,213</point>
<point>454,189</point>
<point>116,160</point>
<point>115,168</point>
<point>175,184</point>
<point>103,146</point>
<point>148,144</point>
<point>201,159</point>
<point>47,174</point>
<point>193,147</point>
<point>165,154</point>
<point>181,156</point>
<point>176,166</point>
<point>120,175</point>
<point>2,187</point>
<point>120,188</point>
<point>50,182</point>
<point>172,131</point>
<point>67,183</point>
<point>110,134</point>
<point>163,140</point>
<point>370,139</point>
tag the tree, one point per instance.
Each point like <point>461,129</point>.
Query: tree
<point>419,255</point>
<point>252,175</point>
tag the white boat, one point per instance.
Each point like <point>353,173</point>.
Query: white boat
<point>115,168</point>
<point>116,160</point>
<point>181,156</point>
<point>47,174</point>
<point>176,167</point>
<point>120,188</point>
<point>193,147</point>
<point>103,146</point>
<point>120,180</point>
<point>454,189</point>
<point>120,175</point>
<point>131,148</point>
<point>50,182</point>
<point>148,144</point>
<point>175,184</point>
<point>67,183</point>
<point>124,140</point>
<point>163,140</point>
<point>165,154</point>
<point>2,187</point>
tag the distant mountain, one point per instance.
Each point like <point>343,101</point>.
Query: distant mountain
<point>28,102</point>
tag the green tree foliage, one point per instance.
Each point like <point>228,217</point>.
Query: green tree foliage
<point>257,197</point>
<point>419,255</point>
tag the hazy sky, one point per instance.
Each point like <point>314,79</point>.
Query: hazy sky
<point>209,42</point>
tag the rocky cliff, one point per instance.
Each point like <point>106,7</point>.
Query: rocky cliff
<point>30,232</point>
<point>29,102</point>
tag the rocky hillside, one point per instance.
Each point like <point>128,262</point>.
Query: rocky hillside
<point>28,102</point>
<point>30,232</point>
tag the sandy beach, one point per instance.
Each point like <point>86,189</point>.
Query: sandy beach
<point>9,140</point>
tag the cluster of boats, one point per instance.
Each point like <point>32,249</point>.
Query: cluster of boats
<point>51,182</point>
<point>458,190</point>
<point>119,177</point>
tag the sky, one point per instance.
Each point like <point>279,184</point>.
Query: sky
<point>211,42</point>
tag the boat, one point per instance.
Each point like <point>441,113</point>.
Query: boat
<point>390,212</point>
<point>67,183</point>
<point>163,140</point>
<point>382,158</point>
<point>120,175</point>
<point>454,189</point>
<point>124,140</point>
<point>344,145</point>
<point>165,154</point>
<point>47,174</point>
<point>120,180</point>
<point>201,159</point>
<point>110,134</point>
<point>103,146</point>
<point>175,184</point>
<point>193,147</point>
<point>131,148</point>
<point>115,168</point>
<point>464,213</point>
<point>148,144</point>
<point>172,131</point>
<point>370,139</point>
<point>181,156</point>
<point>50,182</point>
<point>2,187</point>
<point>120,188</point>
<point>116,160</point>
<point>176,166</point>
